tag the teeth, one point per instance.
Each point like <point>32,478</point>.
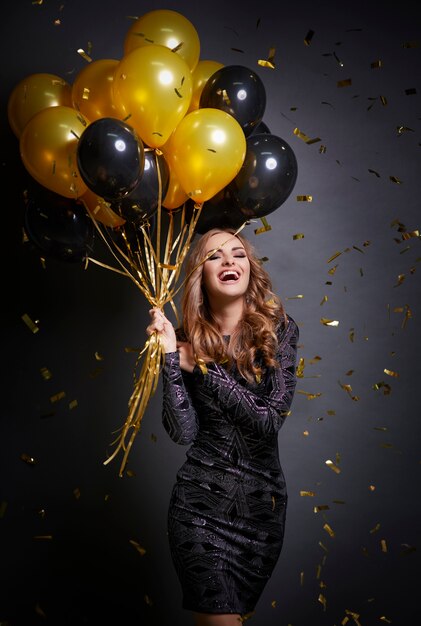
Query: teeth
<point>228,273</point>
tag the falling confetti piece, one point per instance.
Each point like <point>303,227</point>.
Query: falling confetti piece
<point>148,600</point>
<point>396,180</point>
<point>30,324</point>
<point>263,229</point>
<point>387,389</point>
<point>307,493</point>
<point>273,604</point>
<point>58,396</point>
<point>333,257</point>
<point>383,545</point>
<point>324,299</point>
<point>76,493</point>
<point>333,467</point>
<point>375,529</point>
<point>322,150</point>
<point>391,373</point>
<point>98,357</point>
<point>298,297</point>
<point>375,65</point>
<point>384,619</point>
<point>305,137</point>
<point>73,404</point>
<point>270,61</point>
<point>322,600</point>
<point>329,530</point>
<point>29,460</point>
<point>298,236</point>
<point>308,37</point>
<point>320,507</point>
<point>310,396</point>
<point>304,198</point>
<point>138,547</point>
<point>45,373</point>
<point>347,82</point>
<point>301,578</point>
<point>306,433</point>
<point>84,55</point>
<point>410,92</point>
<point>327,322</point>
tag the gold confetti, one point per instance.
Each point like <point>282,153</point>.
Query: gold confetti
<point>333,467</point>
<point>298,236</point>
<point>322,600</point>
<point>45,373</point>
<point>138,547</point>
<point>148,600</point>
<point>273,604</point>
<point>3,507</point>
<point>48,537</point>
<point>322,150</point>
<point>376,65</point>
<point>307,493</point>
<point>384,619</point>
<point>58,396</point>
<point>387,389</point>
<point>333,270</point>
<point>270,61</point>
<point>391,373</point>
<point>320,507</point>
<point>130,473</point>
<point>347,82</point>
<point>322,545</point>
<point>330,412</point>
<point>76,493</point>
<point>304,198</point>
<point>383,100</point>
<point>372,487</point>
<point>29,460</point>
<point>324,299</point>
<point>318,571</point>
<point>348,389</point>
<point>84,55</point>
<point>154,438</point>
<point>308,37</point>
<point>98,357</point>
<point>375,529</point>
<point>334,256</point>
<point>329,530</point>
<point>300,368</point>
<point>299,297</point>
<point>349,373</point>
<point>306,433</point>
<point>310,396</point>
<point>263,229</point>
<point>383,545</point>
<point>30,324</point>
<point>327,322</point>
<point>305,137</point>
<point>396,180</point>
<point>301,578</point>
<point>73,404</point>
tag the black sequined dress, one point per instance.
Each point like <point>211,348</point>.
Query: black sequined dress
<point>227,511</point>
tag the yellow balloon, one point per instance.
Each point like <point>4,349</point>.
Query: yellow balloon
<point>201,75</point>
<point>48,147</point>
<point>92,93</point>
<point>152,91</point>
<point>175,196</point>
<point>165,28</point>
<point>101,210</point>
<point>33,94</point>
<point>207,149</point>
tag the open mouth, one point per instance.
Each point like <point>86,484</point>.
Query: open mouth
<point>229,276</point>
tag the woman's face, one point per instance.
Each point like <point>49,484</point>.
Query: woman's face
<point>226,273</point>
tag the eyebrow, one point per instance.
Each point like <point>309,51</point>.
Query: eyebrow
<point>220,249</point>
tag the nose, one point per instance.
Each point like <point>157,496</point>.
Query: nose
<point>228,262</point>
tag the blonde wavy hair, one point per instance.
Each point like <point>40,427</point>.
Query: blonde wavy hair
<point>255,338</point>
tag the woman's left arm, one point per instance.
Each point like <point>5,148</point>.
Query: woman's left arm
<point>266,413</point>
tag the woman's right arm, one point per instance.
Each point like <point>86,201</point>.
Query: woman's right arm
<point>178,413</point>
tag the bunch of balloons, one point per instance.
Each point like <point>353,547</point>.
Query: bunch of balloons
<point>159,127</point>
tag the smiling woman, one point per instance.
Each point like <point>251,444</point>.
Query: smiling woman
<point>229,380</point>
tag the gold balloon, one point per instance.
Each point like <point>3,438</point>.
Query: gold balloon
<point>201,75</point>
<point>207,150</point>
<point>48,148</point>
<point>165,28</point>
<point>33,94</point>
<point>92,93</point>
<point>101,210</point>
<point>152,91</point>
<point>175,196</point>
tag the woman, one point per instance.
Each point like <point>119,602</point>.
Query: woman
<point>228,383</point>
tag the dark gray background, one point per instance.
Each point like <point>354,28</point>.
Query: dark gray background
<point>89,573</point>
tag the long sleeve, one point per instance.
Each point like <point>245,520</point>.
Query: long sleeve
<point>178,414</point>
<point>263,412</point>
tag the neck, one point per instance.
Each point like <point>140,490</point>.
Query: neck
<point>228,315</point>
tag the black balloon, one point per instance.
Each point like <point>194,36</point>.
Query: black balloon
<point>237,90</point>
<point>58,226</point>
<point>217,212</point>
<point>266,178</point>
<point>260,129</point>
<point>143,200</point>
<point>110,158</point>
